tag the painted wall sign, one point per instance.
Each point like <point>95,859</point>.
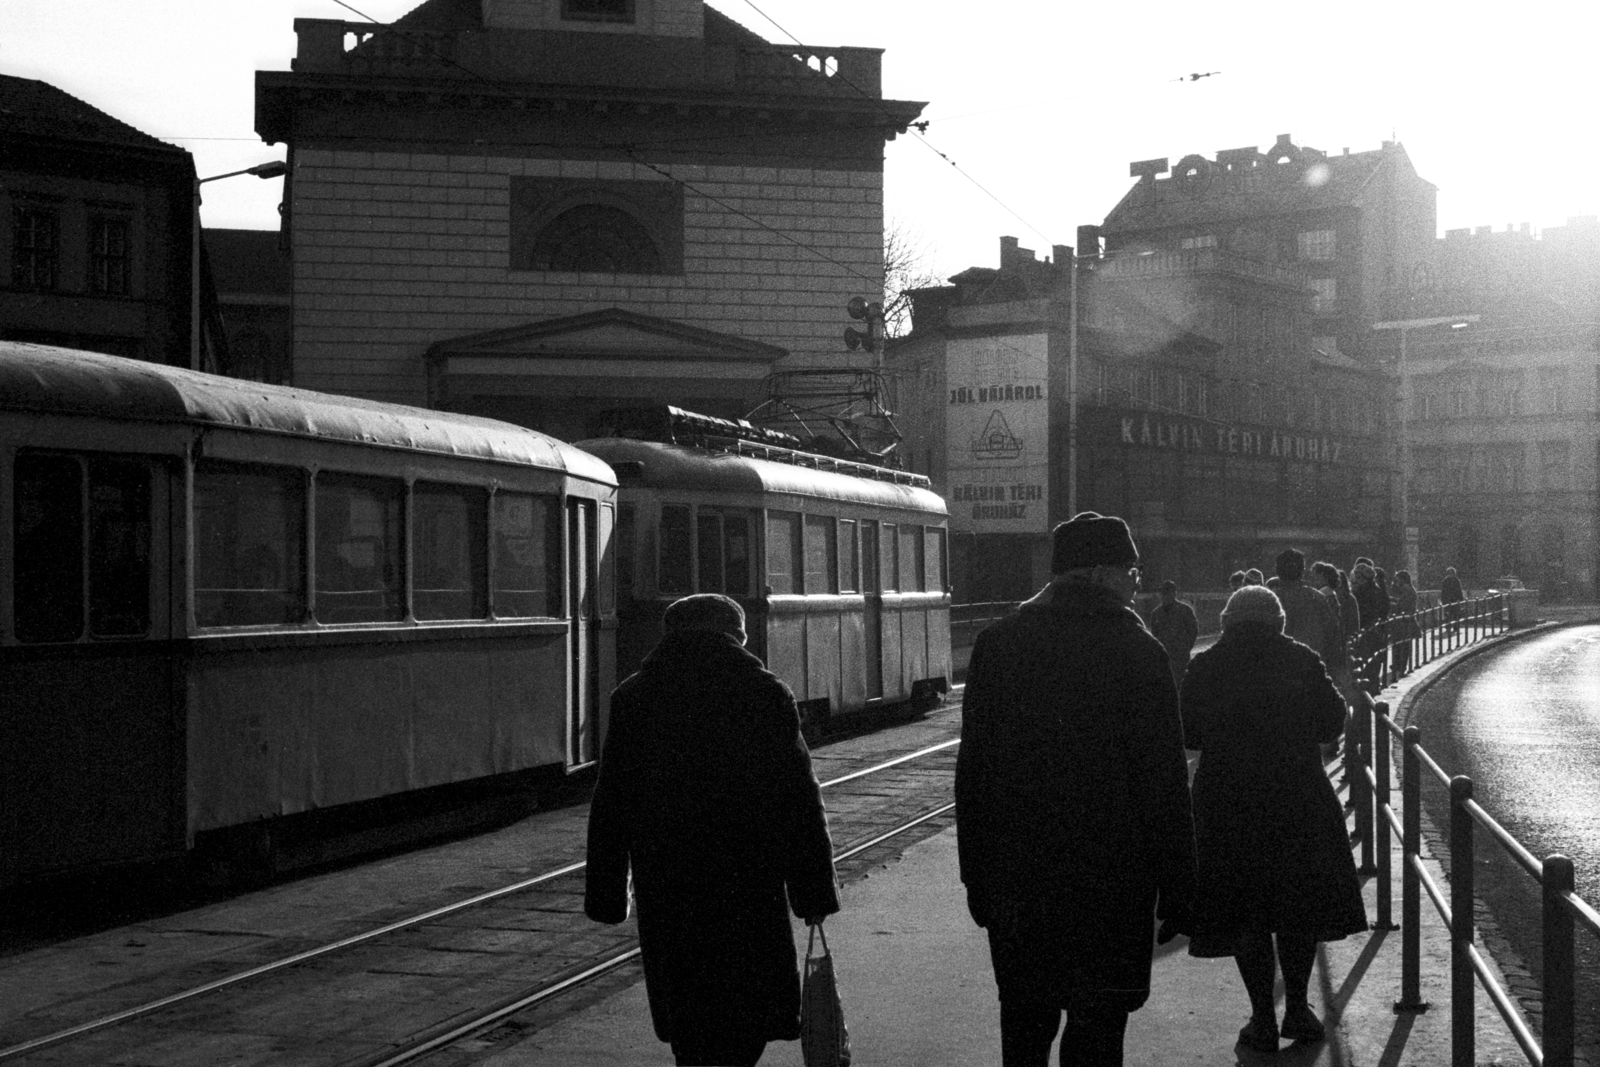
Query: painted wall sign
<point>998,434</point>
<point>1143,429</point>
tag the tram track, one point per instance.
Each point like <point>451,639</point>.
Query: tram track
<point>585,940</point>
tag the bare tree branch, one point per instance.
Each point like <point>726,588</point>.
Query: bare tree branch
<point>906,266</point>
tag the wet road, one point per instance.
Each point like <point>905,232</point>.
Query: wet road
<point>1524,724</point>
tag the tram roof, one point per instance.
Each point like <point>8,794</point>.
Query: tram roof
<point>65,381</point>
<point>663,466</point>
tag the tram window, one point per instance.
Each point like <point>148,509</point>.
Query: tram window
<point>48,507</point>
<point>849,558</point>
<point>249,533</point>
<point>708,538</point>
<point>722,544</point>
<point>525,539</point>
<point>672,565</point>
<point>783,552</point>
<point>911,565</point>
<point>359,574</point>
<point>448,552</point>
<point>623,549</point>
<point>736,553</point>
<point>933,559</point>
<point>889,571</point>
<point>822,554</point>
<point>119,548</point>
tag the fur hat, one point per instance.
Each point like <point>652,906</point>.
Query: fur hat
<point>1092,540</point>
<point>1253,603</point>
<point>705,611</point>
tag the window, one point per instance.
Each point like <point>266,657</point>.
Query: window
<point>597,10</point>
<point>607,226</point>
<point>849,557</point>
<point>596,237</point>
<point>1324,294</point>
<point>913,566</point>
<point>449,551</point>
<point>71,512</point>
<point>1317,246</point>
<point>359,573</point>
<point>783,553</point>
<point>34,251</point>
<point>723,549</point>
<point>822,555</point>
<point>627,523</point>
<point>525,577</point>
<point>1202,240</point>
<point>890,569</point>
<point>249,543</point>
<point>933,559</point>
<point>109,259</point>
<point>673,558</point>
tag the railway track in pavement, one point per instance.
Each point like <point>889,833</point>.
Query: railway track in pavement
<point>413,978</point>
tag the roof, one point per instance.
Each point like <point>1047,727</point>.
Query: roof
<point>1211,194</point>
<point>32,108</point>
<point>662,466</point>
<point>247,261</point>
<point>62,381</point>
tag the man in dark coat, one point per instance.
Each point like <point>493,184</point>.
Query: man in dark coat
<point>1173,624</point>
<point>706,791</point>
<point>1072,802</point>
<point>1451,595</point>
<point>1309,617</point>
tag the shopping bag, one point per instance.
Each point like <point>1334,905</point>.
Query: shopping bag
<point>824,1040</point>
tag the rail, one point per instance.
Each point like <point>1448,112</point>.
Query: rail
<point>1400,643</point>
<point>1369,764</point>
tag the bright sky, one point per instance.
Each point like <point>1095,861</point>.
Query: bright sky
<point>1043,103</point>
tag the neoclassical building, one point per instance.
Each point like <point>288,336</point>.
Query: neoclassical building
<point>539,209</point>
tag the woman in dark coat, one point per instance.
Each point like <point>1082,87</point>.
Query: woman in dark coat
<point>1271,844</point>
<point>706,791</point>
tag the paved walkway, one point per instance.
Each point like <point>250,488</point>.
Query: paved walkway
<point>918,990</point>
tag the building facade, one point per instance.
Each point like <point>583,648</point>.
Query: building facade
<point>252,276</point>
<point>95,240</point>
<point>538,209</point>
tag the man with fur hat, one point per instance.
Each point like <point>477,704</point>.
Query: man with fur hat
<point>1073,804</point>
<point>706,793</point>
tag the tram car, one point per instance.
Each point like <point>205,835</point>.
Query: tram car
<point>840,566</point>
<point>226,605</point>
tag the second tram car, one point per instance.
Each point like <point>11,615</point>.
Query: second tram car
<point>224,603</point>
<point>840,566</point>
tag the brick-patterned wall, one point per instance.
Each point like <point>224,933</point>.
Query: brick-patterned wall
<point>394,251</point>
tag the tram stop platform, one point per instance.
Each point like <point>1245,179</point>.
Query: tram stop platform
<point>917,987</point>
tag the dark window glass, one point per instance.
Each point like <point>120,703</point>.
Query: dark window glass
<point>596,238</point>
<point>673,560</point>
<point>626,524</point>
<point>48,508</point>
<point>708,550</point>
<point>597,10</point>
<point>449,551</point>
<point>249,532</point>
<point>890,569</point>
<point>736,553</point>
<point>34,249</point>
<point>358,550</point>
<point>822,554</point>
<point>525,535</point>
<point>783,553</point>
<point>119,548</point>
<point>849,558</point>
<point>109,257</point>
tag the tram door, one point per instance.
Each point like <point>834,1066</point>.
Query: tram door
<point>583,565</point>
<point>872,621</point>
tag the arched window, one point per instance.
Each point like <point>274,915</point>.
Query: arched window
<point>596,237</point>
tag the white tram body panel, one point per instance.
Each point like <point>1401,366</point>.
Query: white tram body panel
<point>276,602</point>
<point>842,575</point>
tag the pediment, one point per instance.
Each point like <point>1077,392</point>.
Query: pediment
<point>613,333</point>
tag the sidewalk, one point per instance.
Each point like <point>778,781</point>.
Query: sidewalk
<point>918,989</point>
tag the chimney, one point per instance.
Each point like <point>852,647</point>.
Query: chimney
<point>1008,251</point>
<point>1088,240</point>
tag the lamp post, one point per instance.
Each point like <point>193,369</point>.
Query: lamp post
<point>1405,326</point>
<point>275,169</point>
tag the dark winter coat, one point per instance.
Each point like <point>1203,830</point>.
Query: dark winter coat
<point>1349,614</point>
<point>1270,833</point>
<point>1174,625</point>
<point>1372,602</point>
<point>1310,619</point>
<point>1071,798</point>
<point>1450,591</point>
<point>706,791</point>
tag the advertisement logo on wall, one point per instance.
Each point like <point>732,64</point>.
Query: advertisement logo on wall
<point>998,434</point>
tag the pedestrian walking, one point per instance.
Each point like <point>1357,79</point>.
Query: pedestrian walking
<point>1309,618</point>
<point>1236,580</point>
<point>1451,595</point>
<point>1253,577</point>
<point>1174,625</point>
<point>1405,628</point>
<point>1071,795</point>
<point>1372,605</point>
<point>705,792</point>
<point>1349,610</point>
<point>1274,857</point>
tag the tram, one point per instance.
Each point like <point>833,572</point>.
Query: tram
<point>841,566</point>
<point>224,605</point>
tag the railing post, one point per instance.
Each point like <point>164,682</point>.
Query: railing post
<point>1410,881</point>
<point>1560,991</point>
<point>1361,784</point>
<point>1380,760</point>
<point>1463,1016</point>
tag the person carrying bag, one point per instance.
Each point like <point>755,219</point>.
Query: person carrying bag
<point>824,1039</point>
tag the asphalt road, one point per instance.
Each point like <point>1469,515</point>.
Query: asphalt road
<point>1524,723</point>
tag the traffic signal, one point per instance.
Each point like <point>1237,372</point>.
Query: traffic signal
<point>872,315</point>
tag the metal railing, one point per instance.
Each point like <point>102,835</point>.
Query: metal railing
<point>1402,643</point>
<point>1368,762</point>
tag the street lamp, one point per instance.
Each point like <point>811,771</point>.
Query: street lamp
<point>275,169</point>
<point>1405,326</point>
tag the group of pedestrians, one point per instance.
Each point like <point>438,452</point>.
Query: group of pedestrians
<point>1078,827</point>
